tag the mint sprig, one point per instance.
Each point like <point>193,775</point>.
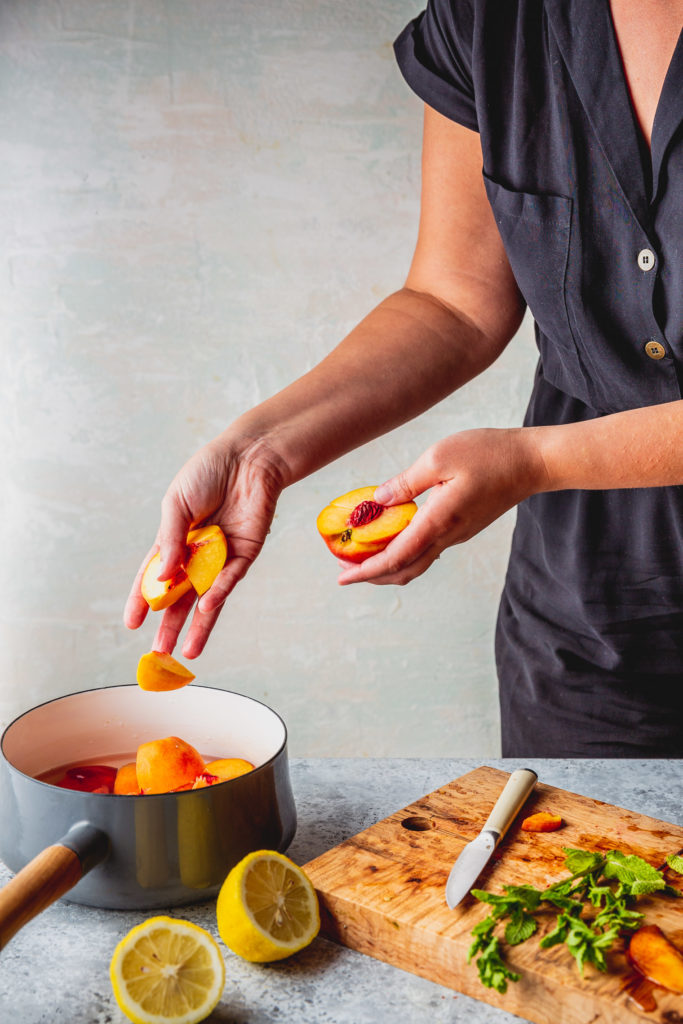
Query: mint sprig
<point>608,883</point>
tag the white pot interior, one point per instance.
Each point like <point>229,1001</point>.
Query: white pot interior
<point>88,726</point>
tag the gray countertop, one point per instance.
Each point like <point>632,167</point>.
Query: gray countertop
<point>56,969</point>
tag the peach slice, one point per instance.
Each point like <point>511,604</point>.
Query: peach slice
<point>207,550</point>
<point>221,770</point>
<point>354,526</point>
<point>656,958</point>
<point>542,821</point>
<point>167,764</point>
<point>158,671</point>
<point>126,781</point>
<point>161,593</point>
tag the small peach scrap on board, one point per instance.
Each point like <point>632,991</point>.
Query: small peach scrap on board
<point>167,764</point>
<point>542,822</point>
<point>158,671</point>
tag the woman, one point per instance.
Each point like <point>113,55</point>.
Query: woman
<point>573,110</point>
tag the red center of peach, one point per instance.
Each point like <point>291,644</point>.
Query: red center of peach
<point>365,513</point>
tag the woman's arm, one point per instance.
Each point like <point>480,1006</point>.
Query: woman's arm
<point>457,311</point>
<point>477,475</point>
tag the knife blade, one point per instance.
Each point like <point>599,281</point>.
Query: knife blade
<point>474,857</point>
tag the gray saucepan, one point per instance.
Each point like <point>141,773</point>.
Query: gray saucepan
<point>136,852</point>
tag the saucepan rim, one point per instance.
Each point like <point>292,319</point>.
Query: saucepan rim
<point>134,796</point>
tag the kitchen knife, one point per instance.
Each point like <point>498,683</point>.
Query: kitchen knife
<point>475,856</point>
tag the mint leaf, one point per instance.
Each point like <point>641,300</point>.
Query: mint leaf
<point>675,862</point>
<point>493,971</point>
<point>520,928</point>
<point>637,877</point>
<point>581,862</point>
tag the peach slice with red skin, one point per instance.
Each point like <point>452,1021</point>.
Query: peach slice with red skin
<point>159,671</point>
<point>207,551</point>
<point>167,764</point>
<point>355,526</point>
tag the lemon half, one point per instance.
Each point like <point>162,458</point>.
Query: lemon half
<point>267,908</point>
<point>167,970</point>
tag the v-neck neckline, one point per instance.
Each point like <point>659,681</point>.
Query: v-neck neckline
<point>584,29</point>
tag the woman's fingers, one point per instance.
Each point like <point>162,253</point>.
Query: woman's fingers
<point>172,621</point>
<point>415,480</point>
<point>176,522</point>
<point>406,556</point>
<point>232,572</point>
<point>136,607</point>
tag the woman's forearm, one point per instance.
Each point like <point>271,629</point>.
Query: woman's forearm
<point>410,352</point>
<point>637,448</point>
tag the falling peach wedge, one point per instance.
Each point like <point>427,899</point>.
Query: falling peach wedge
<point>354,526</point>
<point>158,671</point>
<point>167,764</point>
<point>207,551</point>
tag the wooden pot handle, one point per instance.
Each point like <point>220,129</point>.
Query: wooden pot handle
<point>47,877</point>
<point>50,875</point>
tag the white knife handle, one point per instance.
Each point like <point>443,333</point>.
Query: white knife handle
<point>506,807</point>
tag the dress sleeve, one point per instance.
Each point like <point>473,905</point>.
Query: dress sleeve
<point>434,53</point>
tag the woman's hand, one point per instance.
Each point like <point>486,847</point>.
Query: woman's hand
<point>475,477</point>
<point>231,482</point>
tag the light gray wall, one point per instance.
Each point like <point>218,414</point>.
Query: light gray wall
<point>198,199</point>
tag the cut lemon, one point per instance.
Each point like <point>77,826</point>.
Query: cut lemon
<point>267,908</point>
<point>167,971</point>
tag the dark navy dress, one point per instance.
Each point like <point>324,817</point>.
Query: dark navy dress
<point>589,641</point>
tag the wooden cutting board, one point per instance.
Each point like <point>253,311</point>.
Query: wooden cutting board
<point>382,892</point>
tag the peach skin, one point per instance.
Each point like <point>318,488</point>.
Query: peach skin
<point>354,526</point>
<point>158,671</point>
<point>167,764</point>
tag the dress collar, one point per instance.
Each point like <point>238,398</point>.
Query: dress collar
<point>587,41</point>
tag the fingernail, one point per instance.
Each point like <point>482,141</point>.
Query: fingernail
<point>383,494</point>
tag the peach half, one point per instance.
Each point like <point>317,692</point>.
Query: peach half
<point>354,526</point>
<point>158,671</point>
<point>207,550</point>
<point>167,764</point>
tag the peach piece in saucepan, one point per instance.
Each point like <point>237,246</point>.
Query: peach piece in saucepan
<point>207,550</point>
<point>354,526</point>
<point>126,781</point>
<point>221,770</point>
<point>167,764</point>
<point>158,671</point>
<point>89,778</point>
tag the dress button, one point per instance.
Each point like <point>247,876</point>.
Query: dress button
<point>646,259</point>
<point>654,349</point>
